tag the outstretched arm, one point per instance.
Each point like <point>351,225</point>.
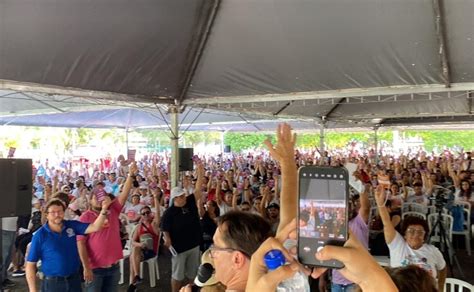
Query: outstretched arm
<point>365,204</point>
<point>388,229</point>
<point>198,189</point>
<point>283,152</point>
<point>128,184</point>
<point>99,222</point>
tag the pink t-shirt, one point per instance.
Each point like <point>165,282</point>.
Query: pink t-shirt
<point>104,247</point>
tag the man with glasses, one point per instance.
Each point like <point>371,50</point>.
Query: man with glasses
<point>182,235</point>
<point>101,252</point>
<point>238,236</point>
<point>55,245</point>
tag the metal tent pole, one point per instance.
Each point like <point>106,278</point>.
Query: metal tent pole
<point>322,136</point>
<point>376,142</point>
<point>174,113</point>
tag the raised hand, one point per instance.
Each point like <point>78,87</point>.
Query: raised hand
<point>283,151</point>
<point>106,203</point>
<point>380,196</point>
<point>133,170</point>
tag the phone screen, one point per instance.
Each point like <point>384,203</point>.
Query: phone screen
<point>322,212</point>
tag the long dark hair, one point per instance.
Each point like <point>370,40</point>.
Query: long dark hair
<point>466,193</point>
<point>217,211</point>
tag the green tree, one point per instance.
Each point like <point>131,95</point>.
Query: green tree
<point>440,139</point>
<point>84,136</point>
<point>306,140</point>
<point>241,141</point>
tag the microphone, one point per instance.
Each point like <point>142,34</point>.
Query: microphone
<point>204,273</point>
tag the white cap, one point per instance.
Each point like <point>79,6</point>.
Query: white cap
<point>176,192</point>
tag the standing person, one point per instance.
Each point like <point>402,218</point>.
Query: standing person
<point>55,245</point>
<point>182,232</point>
<point>100,261</point>
<point>9,228</point>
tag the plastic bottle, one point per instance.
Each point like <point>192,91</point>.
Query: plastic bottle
<point>298,283</point>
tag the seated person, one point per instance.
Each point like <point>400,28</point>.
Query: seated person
<point>132,210</point>
<point>145,241</point>
<point>408,247</point>
<point>418,196</point>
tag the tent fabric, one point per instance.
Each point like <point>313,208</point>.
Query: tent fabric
<point>280,46</point>
<point>190,119</point>
<point>337,62</point>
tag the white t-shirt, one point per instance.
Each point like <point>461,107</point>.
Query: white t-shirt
<point>224,208</point>
<point>132,211</point>
<point>423,199</point>
<point>427,256</point>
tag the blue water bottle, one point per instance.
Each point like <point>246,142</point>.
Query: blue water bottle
<point>298,283</point>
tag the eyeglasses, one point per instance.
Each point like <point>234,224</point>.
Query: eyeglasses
<point>413,231</point>
<point>213,249</point>
<point>146,213</point>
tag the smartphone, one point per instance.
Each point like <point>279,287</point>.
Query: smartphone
<point>323,199</point>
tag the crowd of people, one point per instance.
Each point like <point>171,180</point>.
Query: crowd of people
<point>236,207</point>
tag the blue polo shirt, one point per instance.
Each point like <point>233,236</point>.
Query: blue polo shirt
<point>57,251</point>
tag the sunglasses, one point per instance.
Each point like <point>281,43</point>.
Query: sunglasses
<point>146,213</point>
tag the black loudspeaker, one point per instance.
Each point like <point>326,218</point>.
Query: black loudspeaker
<point>15,187</point>
<point>227,149</point>
<point>186,159</point>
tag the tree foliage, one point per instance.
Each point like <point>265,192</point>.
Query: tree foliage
<point>243,141</point>
<point>440,139</point>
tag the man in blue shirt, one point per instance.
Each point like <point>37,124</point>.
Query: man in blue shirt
<point>55,245</point>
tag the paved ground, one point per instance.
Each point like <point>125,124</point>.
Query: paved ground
<point>163,285</point>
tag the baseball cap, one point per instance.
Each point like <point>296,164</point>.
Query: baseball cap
<point>176,192</point>
<point>143,185</point>
<point>273,205</point>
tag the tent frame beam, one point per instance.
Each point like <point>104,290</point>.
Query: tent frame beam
<point>441,36</point>
<point>331,94</point>
<point>77,92</point>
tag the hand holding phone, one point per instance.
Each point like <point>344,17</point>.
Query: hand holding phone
<point>322,212</point>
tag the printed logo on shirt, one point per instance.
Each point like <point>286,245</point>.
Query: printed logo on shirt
<point>70,232</point>
<point>419,262</point>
